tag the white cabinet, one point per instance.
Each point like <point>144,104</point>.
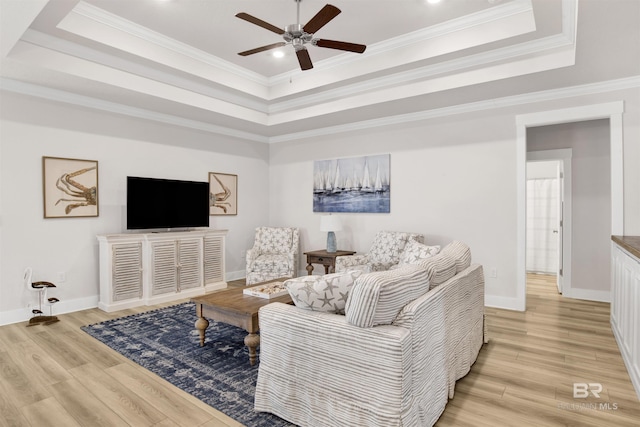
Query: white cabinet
<point>151,268</point>
<point>625,309</point>
<point>213,252</point>
<point>176,264</point>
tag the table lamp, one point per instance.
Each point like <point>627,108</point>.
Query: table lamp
<point>330,223</point>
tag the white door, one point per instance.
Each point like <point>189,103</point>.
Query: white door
<point>556,166</point>
<point>559,229</point>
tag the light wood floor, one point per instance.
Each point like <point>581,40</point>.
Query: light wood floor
<point>525,375</point>
<point>59,376</point>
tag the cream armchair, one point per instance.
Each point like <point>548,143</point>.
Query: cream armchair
<point>384,254</point>
<point>274,254</point>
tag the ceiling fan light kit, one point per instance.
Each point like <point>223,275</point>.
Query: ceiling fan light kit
<point>298,36</point>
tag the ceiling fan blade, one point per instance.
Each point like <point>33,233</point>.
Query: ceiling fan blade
<point>260,23</point>
<point>304,59</point>
<point>262,49</point>
<point>326,14</point>
<point>334,44</point>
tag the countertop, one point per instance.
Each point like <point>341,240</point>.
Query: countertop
<point>630,243</point>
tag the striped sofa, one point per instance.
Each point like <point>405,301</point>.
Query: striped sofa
<point>392,360</point>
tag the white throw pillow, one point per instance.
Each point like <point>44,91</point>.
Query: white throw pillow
<point>322,293</point>
<point>415,251</point>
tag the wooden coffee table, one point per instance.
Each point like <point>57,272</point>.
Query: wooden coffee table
<point>233,307</point>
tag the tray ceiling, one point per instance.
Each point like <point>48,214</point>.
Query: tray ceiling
<point>176,61</point>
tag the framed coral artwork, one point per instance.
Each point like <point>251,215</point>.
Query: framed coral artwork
<point>70,187</point>
<point>223,194</point>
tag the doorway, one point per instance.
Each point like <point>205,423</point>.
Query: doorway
<point>613,112</point>
<point>548,237</point>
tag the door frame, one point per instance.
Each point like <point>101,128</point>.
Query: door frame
<point>562,156</point>
<point>612,111</point>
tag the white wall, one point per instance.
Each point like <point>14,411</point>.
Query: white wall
<point>447,182</point>
<point>631,148</point>
<point>451,178</point>
<point>32,129</point>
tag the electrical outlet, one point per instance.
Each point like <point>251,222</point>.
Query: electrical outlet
<point>62,276</point>
<point>494,272</point>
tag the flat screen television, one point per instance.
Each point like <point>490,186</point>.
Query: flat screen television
<point>154,203</point>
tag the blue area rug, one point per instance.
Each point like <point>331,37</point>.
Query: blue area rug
<point>166,342</point>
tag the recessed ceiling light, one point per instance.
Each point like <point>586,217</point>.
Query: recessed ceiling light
<point>278,53</point>
<point>433,1</point>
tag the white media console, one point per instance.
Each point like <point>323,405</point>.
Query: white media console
<point>151,268</point>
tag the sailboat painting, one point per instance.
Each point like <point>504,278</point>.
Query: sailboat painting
<point>353,184</point>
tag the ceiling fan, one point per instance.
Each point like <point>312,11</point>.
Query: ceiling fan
<point>298,36</point>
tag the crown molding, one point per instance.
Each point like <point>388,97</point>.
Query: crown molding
<point>154,82</point>
<point>456,65</point>
<point>560,49</point>
<point>84,16</point>
<point>101,16</point>
<point>534,47</point>
<point>489,15</point>
<point>489,104</point>
<point>37,91</point>
<point>435,31</point>
<point>76,50</point>
<point>56,95</point>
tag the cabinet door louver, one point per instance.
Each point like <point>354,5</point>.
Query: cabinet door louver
<point>151,268</point>
<point>189,262</point>
<point>127,271</point>
<point>213,259</point>
<point>165,273</point>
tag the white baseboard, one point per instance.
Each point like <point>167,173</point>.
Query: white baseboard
<point>235,275</point>
<point>588,294</point>
<point>69,306</point>
<point>517,304</point>
<point>506,303</point>
<point>62,307</point>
